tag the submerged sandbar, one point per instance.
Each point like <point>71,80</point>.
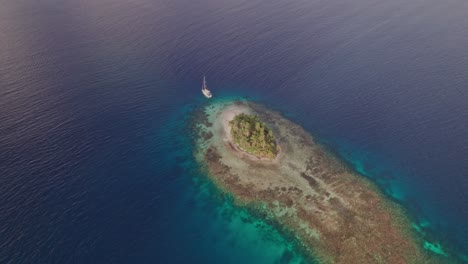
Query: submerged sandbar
<point>337,215</point>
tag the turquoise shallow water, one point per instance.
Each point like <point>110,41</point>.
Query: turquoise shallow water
<point>395,185</point>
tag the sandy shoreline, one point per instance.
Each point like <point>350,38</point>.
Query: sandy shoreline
<point>338,216</point>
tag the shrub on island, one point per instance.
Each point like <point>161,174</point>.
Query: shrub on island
<point>253,136</point>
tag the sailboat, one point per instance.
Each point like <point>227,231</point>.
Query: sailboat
<point>205,90</point>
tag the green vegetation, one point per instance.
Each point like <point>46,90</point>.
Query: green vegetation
<point>253,136</point>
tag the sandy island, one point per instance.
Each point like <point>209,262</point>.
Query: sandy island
<point>338,216</point>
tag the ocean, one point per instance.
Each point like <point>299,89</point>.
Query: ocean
<point>96,100</point>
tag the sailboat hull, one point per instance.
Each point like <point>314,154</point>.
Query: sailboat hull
<point>205,90</point>
<point>206,93</point>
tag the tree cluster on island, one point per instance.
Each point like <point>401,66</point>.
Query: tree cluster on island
<point>253,136</point>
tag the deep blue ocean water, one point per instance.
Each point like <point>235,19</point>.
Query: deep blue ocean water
<point>95,99</point>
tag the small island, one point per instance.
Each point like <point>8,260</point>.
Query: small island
<point>253,136</point>
<point>274,167</point>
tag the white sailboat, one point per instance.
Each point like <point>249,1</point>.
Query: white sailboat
<point>205,90</point>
